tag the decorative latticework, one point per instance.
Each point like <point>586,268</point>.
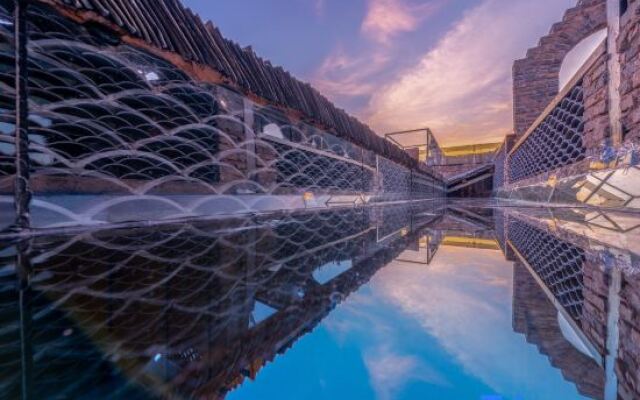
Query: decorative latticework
<point>114,128</point>
<point>556,142</point>
<point>499,167</point>
<point>171,27</point>
<point>499,219</point>
<point>306,169</point>
<point>557,263</point>
<point>181,311</point>
<point>400,183</point>
<point>396,179</point>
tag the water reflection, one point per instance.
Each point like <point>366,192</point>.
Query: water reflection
<point>395,302</point>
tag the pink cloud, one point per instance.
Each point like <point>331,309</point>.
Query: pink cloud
<point>342,75</point>
<point>462,87</point>
<point>390,371</point>
<point>463,300</point>
<point>387,18</point>
<point>319,7</point>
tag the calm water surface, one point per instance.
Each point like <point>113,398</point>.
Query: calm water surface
<point>400,302</point>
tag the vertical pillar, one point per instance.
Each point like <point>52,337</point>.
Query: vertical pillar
<point>613,334</point>
<point>509,141</point>
<point>363,174</point>
<point>23,270</point>
<point>249,136</point>
<point>22,191</point>
<point>378,178</point>
<point>411,194</point>
<point>428,134</point>
<point>613,65</point>
<point>503,167</point>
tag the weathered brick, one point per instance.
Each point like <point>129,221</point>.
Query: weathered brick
<point>536,76</point>
<point>629,46</point>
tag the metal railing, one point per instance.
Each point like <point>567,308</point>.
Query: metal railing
<point>421,142</point>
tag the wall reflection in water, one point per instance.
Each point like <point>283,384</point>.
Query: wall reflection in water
<point>191,311</point>
<point>183,310</point>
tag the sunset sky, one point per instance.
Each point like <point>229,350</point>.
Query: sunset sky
<point>399,64</point>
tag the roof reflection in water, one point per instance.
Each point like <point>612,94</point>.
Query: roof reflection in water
<point>192,310</point>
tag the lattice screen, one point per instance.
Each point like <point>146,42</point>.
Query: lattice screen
<point>556,142</point>
<point>558,264</point>
<point>114,129</point>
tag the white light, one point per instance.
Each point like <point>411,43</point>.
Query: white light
<point>273,130</point>
<point>42,121</point>
<point>7,149</point>
<point>7,128</point>
<point>275,268</point>
<point>151,76</point>
<point>578,56</point>
<point>329,271</point>
<point>260,313</point>
<point>157,357</point>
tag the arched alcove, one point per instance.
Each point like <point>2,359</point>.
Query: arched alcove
<point>578,56</point>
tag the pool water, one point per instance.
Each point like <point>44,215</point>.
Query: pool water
<point>408,301</point>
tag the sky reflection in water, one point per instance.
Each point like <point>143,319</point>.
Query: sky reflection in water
<point>383,303</point>
<point>440,331</point>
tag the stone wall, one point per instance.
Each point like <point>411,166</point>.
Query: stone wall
<point>629,47</point>
<point>535,317</point>
<point>596,105</point>
<point>596,290</point>
<point>603,260</point>
<point>573,182</point>
<point>536,77</point>
<point>628,363</point>
<point>604,173</point>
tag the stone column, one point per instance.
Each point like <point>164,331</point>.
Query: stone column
<point>615,114</point>
<point>629,49</point>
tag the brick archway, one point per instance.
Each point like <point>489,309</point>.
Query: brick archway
<point>536,77</point>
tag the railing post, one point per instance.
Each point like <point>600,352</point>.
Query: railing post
<point>250,138</point>
<point>507,168</point>
<point>22,191</point>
